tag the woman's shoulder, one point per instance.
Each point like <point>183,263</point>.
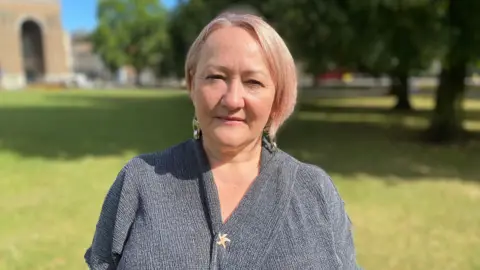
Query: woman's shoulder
<point>313,178</point>
<point>307,172</point>
<point>316,190</point>
<point>171,159</point>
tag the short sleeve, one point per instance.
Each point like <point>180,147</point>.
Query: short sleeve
<point>116,217</point>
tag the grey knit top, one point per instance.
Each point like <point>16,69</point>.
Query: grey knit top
<point>163,212</point>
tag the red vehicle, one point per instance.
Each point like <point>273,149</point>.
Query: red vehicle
<point>331,75</point>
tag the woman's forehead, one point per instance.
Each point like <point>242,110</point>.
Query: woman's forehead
<point>231,38</point>
<point>232,46</point>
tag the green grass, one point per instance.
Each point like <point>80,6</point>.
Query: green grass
<point>413,206</point>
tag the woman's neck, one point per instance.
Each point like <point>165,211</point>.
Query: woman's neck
<point>219,155</point>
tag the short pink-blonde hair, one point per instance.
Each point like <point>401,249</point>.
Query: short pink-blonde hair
<point>279,61</point>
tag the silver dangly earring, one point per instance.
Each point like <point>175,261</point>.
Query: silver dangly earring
<point>197,133</point>
<point>270,141</point>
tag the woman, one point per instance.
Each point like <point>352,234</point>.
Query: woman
<point>229,198</point>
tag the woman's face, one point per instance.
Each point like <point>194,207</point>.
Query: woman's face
<point>232,89</point>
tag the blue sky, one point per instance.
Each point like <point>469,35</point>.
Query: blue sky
<point>80,14</point>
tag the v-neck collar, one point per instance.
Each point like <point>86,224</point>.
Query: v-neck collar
<point>211,191</point>
<point>253,224</point>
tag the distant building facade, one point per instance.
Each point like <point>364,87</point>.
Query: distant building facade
<point>33,46</point>
<point>85,60</point>
<point>88,63</point>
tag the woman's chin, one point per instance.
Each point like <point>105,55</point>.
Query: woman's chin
<point>229,139</point>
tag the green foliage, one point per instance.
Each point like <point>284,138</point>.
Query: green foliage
<point>315,31</point>
<point>131,32</point>
<point>463,38</point>
<point>107,46</point>
<point>374,35</point>
<point>185,23</point>
<point>395,35</point>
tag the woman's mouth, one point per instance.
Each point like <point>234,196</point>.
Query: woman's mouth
<point>231,119</point>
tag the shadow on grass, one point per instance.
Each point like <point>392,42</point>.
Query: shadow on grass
<point>353,149</point>
<point>420,113</point>
<point>106,126</point>
<point>376,141</point>
<point>110,125</point>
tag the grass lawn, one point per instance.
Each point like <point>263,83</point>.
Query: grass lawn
<point>413,206</point>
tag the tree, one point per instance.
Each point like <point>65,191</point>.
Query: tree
<point>106,47</point>
<point>185,22</point>
<point>394,37</point>
<point>131,32</point>
<point>316,31</point>
<point>462,23</point>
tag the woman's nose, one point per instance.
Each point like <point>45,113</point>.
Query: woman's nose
<point>233,97</point>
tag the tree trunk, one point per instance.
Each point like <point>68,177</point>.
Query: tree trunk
<point>446,123</point>
<point>400,88</point>
<point>138,77</point>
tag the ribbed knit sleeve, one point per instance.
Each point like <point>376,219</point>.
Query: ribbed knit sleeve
<point>342,231</point>
<point>338,218</point>
<point>116,216</point>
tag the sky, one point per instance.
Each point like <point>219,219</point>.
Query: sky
<point>80,14</point>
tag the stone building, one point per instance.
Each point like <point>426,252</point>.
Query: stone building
<point>84,59</point>
<point>33,45</point>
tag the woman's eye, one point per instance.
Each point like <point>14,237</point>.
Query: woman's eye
<point>215,77</point>
<point>255,83</point>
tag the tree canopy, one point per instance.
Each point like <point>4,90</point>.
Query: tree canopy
<point>399,38</point>
<point>131,32</point>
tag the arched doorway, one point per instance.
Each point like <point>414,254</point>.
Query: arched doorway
<point>32,51</point>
